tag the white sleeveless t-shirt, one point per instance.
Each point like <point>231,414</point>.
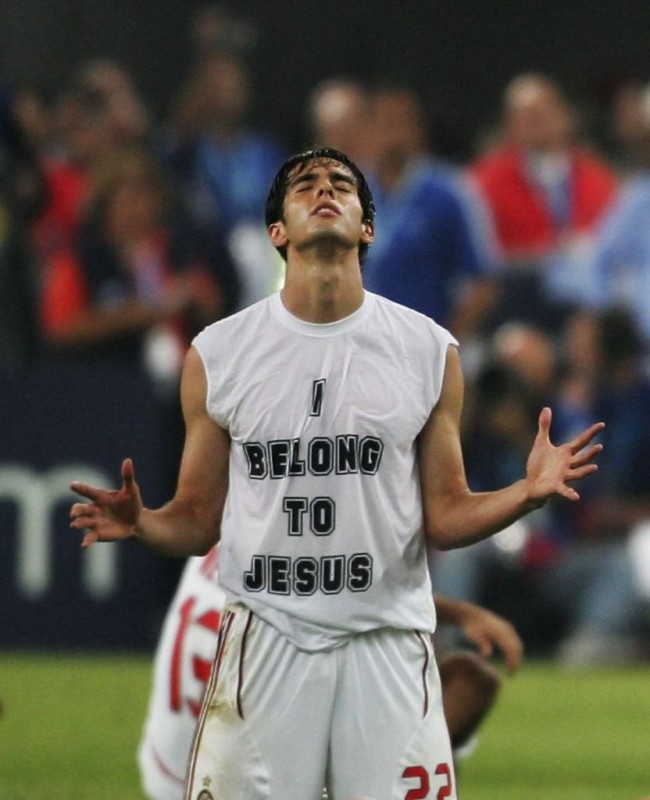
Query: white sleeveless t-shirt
<point>322,531</point>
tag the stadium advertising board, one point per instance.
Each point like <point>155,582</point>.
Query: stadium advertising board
<point>59,424</point>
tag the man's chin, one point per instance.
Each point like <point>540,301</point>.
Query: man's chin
<point>327,242</point>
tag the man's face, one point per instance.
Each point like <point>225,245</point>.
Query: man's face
<point>321,204</point>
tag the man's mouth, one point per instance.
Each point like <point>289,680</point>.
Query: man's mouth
<point>326,210</point>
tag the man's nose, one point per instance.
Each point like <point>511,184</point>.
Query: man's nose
<point>325,187</point>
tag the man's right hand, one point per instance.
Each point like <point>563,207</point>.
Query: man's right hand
<point>110,515</point>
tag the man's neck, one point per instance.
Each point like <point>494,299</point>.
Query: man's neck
<point>322,291</point>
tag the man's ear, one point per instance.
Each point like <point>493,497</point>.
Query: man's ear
<point>277,234</point>
<point>367,232</point>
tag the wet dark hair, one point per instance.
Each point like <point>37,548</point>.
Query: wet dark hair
<point>274,210</point>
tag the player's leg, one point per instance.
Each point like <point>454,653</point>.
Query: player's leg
<point>157,782</point>
<point>470,686</point>
<point>183,656</point>
<point>263,730</point>
<point>389,735</point>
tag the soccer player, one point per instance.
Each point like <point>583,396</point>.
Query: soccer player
<point>186,649</point>
<point>322,447</point>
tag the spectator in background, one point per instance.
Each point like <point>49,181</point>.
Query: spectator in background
<point>546,193</point>
<point>223,166</point>
<point>621,261</point>
<point>338,111</point>
<point>140,282</point>
<point>101,110</point>
<point>426,254</point>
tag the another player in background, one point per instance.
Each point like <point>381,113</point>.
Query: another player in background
<point>323,448</point>
<point>182,664</point>
<point>187,646</point>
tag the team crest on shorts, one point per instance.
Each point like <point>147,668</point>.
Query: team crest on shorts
<point>205,794</point>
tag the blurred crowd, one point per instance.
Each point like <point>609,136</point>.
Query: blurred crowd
<point>121,236</point>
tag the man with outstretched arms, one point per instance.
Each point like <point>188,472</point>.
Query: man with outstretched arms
<point>323,445</point>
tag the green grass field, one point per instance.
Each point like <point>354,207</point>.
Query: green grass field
<point>70,728</point>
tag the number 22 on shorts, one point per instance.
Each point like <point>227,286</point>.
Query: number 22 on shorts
<point>423,790</point>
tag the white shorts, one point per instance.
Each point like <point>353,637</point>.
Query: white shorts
<point>278,723</point>
<point>157,780</point>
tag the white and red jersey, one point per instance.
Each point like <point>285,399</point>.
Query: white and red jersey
<point>322,531</point>
<point>181,670</point>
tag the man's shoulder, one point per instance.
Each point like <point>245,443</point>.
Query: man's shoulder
<point>243,316</point>
<point>236,324</point>
<point>409,317</point>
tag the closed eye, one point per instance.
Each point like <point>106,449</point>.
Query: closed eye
<point>302,182</point>
<point>343,181</point>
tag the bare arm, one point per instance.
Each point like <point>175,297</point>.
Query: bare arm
<point>488,631</point>
<point>454,516</point>
<point>189,524</point>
